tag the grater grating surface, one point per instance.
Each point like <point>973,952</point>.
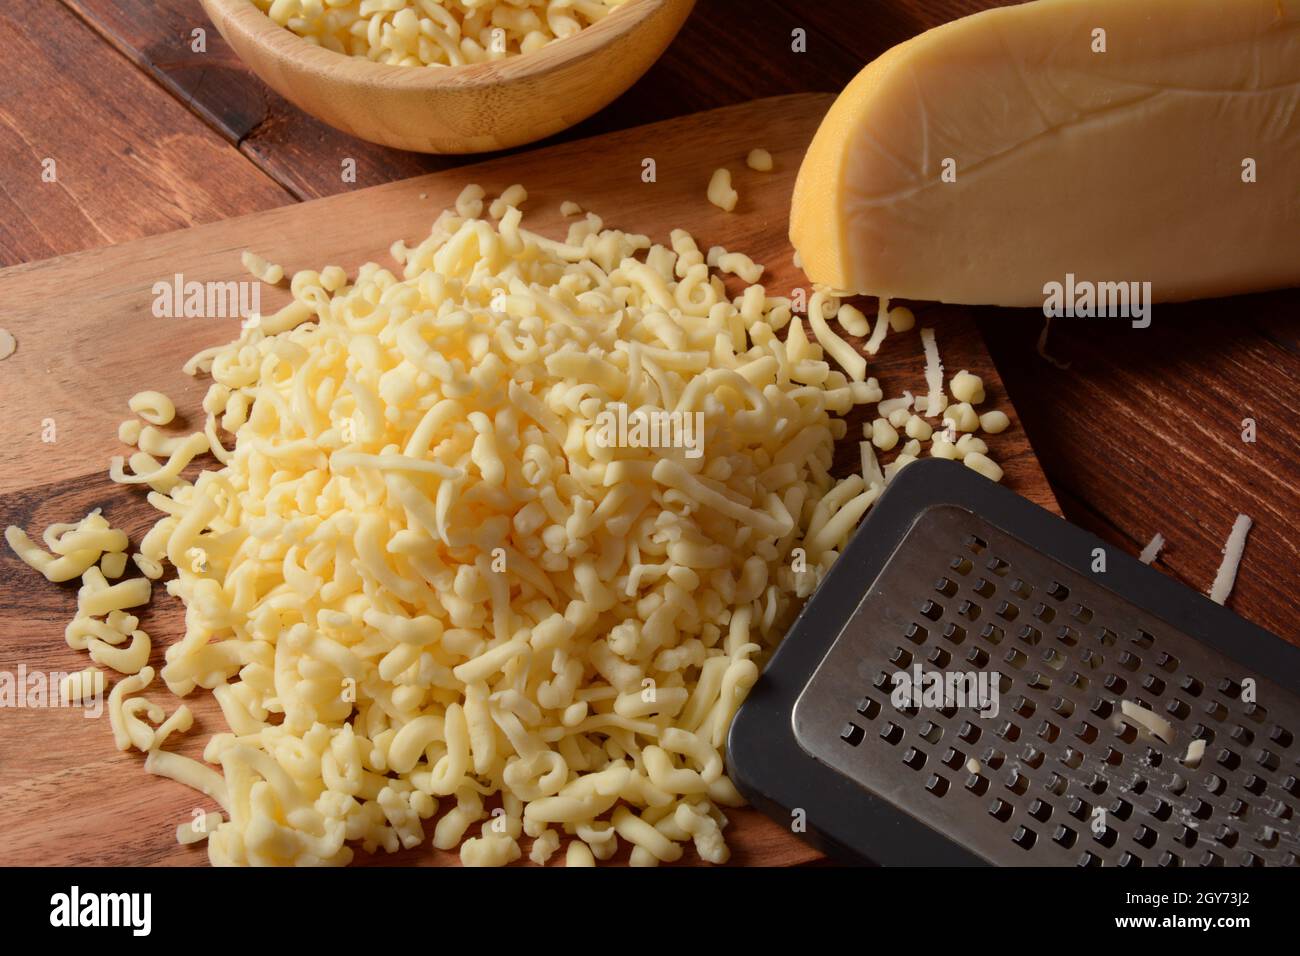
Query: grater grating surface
<point>963,581</point>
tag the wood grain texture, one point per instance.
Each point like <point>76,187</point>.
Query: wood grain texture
<point>473,108</point>
<point>1145,427</point>
<point>87,341</point>
<point>129,161</point>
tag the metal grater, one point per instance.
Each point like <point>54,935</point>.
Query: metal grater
<point>953,573</point>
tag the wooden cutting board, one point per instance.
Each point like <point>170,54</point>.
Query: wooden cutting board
<point>87,340</point>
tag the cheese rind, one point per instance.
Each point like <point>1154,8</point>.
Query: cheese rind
<point>1120,166</point>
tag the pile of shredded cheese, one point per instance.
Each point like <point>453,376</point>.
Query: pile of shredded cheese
<point>421,583</point>
<point>435,32</point>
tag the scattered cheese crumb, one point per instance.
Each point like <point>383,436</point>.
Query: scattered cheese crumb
<point>994,422</point>
<point>260,268</point>
<point>570,208</point>
<point>853,321</point>
<point>1042,345</point>
<point>1152,550</point>
<point>1148,720</point>
<point>1227,574</point>
<point>7,344</point>
<point>760,160</point>
<point>883,435</point>
<point>1195,751</point>
<point>872,344</point>
<point>901,319</point>
<point>935,401</point>
<point>720,192</point>
<point>984,465</point>
<point>967,387</point>
<point>513,195</point>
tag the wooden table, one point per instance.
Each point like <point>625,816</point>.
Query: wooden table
<point>1141,434</point>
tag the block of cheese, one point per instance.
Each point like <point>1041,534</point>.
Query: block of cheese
<point>1112,140</point>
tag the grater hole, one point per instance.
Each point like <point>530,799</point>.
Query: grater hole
<point>1086,732</point>
<point>946,586</point>
<point>984,588</point>
<point>1033,758</point>
<point>1064,837</point>
<point>992,633</point>
<point>998,567</point>
<point>1154,685</point>
<point>1280,735</point>
<point>931,732</point>
<point>975,543</point>
<point>1056,785</point>
<point>938,657</point>
<point>1169,860</point>
<point>1007,611</point>
<point>1115,684</point>
<point>1001,810</point>
<point>1019,588</point>
<point>869,708</point>
<point>1107,637</point>
<point>1143,639</point>
<point>1129,661</point>
<point>1067,635</point>
<point>1044,613</point>
<point>1210,858</point>
<point>936,785</point>
<point>1192,686</point>
<point>914,758</point>
<point>891,733</point>
<point>1024,838</point>
<point>954,633</point>
<point>931,610</point>
<point>968,732</point>
<point>1023,706</point>
<point>1145,836</point>
<point>978,657</point>
<point>953,759</point>
<point>968,609</point>
<point>1129,860</point>
<point>1179,708</point>
<point>1081,613</point>
<point>901,658</point>
<point>1040,810</point>
<point>1089,859</point>
<point>916,633</point>
<point>1053,659</point>
<point>1161,809</point>
<point>994,758</point>
<point>852,734</point>
<point>1166,661</point>
<point>1242,736</point>
<point>1058,591</point>
<point>1029,634</point>
<point>960,565</point>
<point>1062,706</point>
<point>1017,782</point>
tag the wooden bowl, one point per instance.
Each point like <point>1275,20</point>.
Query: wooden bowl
<point>456,109</point>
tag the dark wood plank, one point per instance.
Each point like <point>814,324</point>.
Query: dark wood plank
<point>129,160</point>
<point>1145,426</point>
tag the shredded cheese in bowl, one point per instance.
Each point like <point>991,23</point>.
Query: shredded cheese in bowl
<point>435,32</point>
